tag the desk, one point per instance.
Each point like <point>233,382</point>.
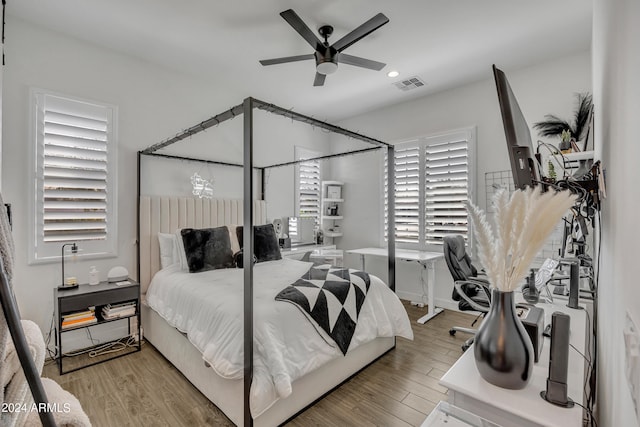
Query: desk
<point>426,259</point>
<point>298,251</point>
<point>327,256</point>
<point>523,408</point>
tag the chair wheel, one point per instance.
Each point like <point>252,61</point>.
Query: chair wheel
<point>452,332</point>
<point>465,347</point>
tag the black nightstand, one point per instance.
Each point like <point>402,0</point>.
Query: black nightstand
<point>98,296</point>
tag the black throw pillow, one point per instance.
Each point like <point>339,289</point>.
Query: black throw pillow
<point>238,258</point>
<point>207,248</point>
<point>265,242</point>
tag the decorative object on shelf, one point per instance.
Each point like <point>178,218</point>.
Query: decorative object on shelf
<point>278,227</point>
<point>334,192</point>
<point>68,282</point>
<point>503,351</point>
<point>332,197</point>
<point>117,274</point>
<point>201,187</point>
<point>94,275</point>
<point>554,126</point>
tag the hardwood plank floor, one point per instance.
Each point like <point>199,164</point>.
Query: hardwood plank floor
<point>400,389</point>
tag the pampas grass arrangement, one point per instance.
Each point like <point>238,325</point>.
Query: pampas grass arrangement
<point>523,222</point>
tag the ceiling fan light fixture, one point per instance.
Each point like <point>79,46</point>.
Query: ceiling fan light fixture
<point>327,67</point>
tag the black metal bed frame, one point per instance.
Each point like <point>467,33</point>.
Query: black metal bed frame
<point>246,110</point>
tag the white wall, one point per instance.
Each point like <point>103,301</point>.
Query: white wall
<point>153,104</point>
<point>616,67</point>
<point>541,89</point>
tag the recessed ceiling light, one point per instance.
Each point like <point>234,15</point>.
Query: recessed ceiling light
<point>393,73</point>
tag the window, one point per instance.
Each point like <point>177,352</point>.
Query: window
<point>433,181</point>
<point>75,158</point>
<point>307,188</point>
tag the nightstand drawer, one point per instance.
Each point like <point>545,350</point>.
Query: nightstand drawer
<point>109,296</point>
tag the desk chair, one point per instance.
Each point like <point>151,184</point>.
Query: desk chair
<point>471,291</point>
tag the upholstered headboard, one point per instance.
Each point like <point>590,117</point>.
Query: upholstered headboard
<point>167,214</point>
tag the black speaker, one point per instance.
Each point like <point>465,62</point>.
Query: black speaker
<point>574,285</point>
<point>529,291</point>
<point>532,319</point>
<point>556,391</point>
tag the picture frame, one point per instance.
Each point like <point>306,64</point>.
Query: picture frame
<point>334,192</point>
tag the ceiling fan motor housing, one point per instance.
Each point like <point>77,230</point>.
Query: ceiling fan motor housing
<point>327,63</point>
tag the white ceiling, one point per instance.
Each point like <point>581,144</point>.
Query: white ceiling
<point>445,42</point>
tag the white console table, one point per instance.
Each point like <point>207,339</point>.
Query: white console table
<point>426,260</point>
<point>524,408</point>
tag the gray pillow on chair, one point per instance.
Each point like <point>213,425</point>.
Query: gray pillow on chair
<point>207,248</point>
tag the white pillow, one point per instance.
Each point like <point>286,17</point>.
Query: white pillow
<point>182,256</point>
<point>233,238</point>
<point>168,249</point>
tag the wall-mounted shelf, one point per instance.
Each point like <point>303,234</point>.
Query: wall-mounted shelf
<point>570,163</point>
<point>331,214</point>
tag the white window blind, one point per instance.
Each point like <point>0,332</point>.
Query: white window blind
<point>446,190</point>
<point>75,176</point>
<point>309,189</point>
<point>433,181</point>
<point>407,194</point>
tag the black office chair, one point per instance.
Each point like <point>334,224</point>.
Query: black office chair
<point>471,292</point>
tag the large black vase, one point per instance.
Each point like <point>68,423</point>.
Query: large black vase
<point>502,347</point>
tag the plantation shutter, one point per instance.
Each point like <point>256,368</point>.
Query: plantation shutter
<point>75,176</point>
<point>433,182</point>
<point>75,182</point>
<point>407,194</point>
<point>308,187</point>
<point>309,197</point>
<point>446,189</point>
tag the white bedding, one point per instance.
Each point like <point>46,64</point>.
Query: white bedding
<point>208,308</point>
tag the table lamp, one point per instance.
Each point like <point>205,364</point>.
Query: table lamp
<point>72,283</point>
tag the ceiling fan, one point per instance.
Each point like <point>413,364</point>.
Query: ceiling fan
<point>328,56</point>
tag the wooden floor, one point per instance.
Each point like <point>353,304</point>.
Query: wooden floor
<point>400,389</point>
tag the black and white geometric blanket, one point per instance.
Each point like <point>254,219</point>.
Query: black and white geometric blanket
<point>332,298</point>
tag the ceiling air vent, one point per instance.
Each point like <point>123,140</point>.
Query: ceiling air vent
<point>410,83</point>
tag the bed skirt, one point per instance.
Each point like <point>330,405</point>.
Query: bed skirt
<point>228,394</point>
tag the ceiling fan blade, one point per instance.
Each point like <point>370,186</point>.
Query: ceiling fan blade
<point>285,59</point>
<point>343,58</point>
<point>319,80</point>
<point>363,30</point>
<point>298,24</point>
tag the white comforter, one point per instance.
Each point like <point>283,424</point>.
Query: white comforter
<point>208,307</point>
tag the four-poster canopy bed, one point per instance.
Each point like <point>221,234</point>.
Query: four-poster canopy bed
<point>166,214</point>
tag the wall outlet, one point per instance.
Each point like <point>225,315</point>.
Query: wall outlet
<point>632,360</point>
